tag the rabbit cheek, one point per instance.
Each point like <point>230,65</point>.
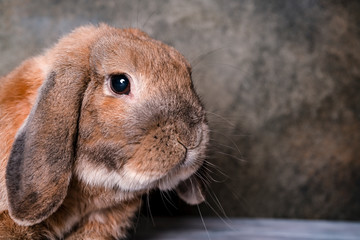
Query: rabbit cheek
<point>160,152</point>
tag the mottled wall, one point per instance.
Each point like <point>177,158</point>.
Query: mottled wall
<point>280,79</point>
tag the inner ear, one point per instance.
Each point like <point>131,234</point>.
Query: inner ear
<point>191,191</point>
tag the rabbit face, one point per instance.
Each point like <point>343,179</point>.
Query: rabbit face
<point>152,135</point>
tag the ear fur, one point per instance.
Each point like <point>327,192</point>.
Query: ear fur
<point>40,164</point>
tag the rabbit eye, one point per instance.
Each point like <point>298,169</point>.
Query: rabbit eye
<point>120,84</point>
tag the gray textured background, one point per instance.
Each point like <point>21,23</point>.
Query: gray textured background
<point>280,79</point>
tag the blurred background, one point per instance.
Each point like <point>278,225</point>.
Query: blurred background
<point>280,80</point>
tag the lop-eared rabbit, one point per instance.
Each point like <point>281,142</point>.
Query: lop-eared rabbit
<point>87,128</point>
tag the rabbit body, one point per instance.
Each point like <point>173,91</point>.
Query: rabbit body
<point>75,155</point>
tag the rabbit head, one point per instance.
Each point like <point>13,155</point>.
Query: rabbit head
<point>117,109</point>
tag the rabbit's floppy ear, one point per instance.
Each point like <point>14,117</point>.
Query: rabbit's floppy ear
<point>40,164</point>
<point>191,190</point>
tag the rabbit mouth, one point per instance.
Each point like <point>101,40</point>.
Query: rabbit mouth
<point>192,162</point>
<point>141,174</point>
<point>146,180</point>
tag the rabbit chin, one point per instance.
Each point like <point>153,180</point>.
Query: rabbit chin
<point>130,180</point>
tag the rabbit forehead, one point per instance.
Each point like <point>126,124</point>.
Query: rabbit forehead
<point>142,56</point>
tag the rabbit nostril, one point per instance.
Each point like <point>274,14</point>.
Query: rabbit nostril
<point>185,154</point>
<point>179,141</point>
<point>196,138</point>
<point>199,136</point>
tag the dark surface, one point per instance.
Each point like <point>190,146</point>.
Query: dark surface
<point>245,229</point>
<point>280,79</point>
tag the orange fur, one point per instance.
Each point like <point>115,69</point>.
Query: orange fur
<point>83,154</point>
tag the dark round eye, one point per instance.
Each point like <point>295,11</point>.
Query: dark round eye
<point>120,84</point>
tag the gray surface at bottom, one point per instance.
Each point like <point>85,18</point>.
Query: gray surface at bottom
<point>247,229</point>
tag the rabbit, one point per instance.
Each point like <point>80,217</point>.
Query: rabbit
<point>101,118</point>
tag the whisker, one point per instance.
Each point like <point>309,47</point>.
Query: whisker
<point>230,119</point>
<point>168,199</point>
<point>221,117</point>
<point>167,193</point>
<point>203,222</point>
<point>218,170</point>
<point>232,141</point>
<point>148,207</point>
<point>209,180</point>
<point>137,219</point>
<point>200,58</point>
<point>147,20</point>
<point>222,145</point>
<point>221,218</point>
<point>209,165</point>
<point>230,134</point>
<point>162,199</point>
<point>232,156</point>
<point>217,64</point>
<point>137,13</point>
<point>215,198</point>
<point>217,202</point>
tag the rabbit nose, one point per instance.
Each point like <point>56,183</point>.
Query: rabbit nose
<point>190,137</point>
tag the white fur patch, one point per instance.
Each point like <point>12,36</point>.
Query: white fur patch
<point>141,180</point>
<point>127,179</point>
<point>191,157</point>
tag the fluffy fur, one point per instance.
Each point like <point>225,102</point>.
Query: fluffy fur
<point>75,157</point>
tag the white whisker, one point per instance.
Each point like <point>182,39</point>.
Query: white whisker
<point>221,117</point>
<point>162,199</point>
<point>202,220</point>
<point>168,199</point>
<point>222,145</point>
<point>149,209</point>
<point>232,141</point>
<point>232,156</point>
<point>221,218</point>
<point>199,59</point>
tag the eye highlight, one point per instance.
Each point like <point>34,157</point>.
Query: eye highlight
<point>120,84</point>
